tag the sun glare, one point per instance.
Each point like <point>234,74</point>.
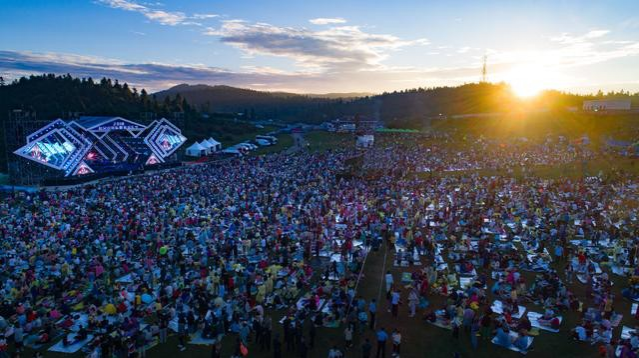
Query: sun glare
<point>528,81</point>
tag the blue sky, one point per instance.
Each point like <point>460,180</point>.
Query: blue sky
<point>327,46</point>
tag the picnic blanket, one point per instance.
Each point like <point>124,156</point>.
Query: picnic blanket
<point>198,339</point>
<point>513,335</point>
<point>440,321</point>
<point>125,279</point>
<point>615,320</point>
<point>626,331</point>
<point>465,282</point>
<point>534,321</point>
<point>498,307</point>
<point>301,303</point>
<point>71,348</point>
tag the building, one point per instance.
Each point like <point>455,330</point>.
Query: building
<point>353,124</point>
<point>98,145</point>
<point>607,105</point>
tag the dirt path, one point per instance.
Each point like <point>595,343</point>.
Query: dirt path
<point>299,143</point>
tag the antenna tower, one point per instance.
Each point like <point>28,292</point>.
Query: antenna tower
<point>483,70</point>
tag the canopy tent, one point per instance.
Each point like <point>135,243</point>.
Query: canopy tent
<point>208,146</point>
<point>216,145</point>
<point>211,146</point>
<point>196,150</point>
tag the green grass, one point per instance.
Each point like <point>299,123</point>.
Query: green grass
<point>320,141</point>
<point>231,139</point>
<point>284,141</point>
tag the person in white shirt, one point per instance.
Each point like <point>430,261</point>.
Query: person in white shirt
<point>335,353</point>
<point>395,298</point>
<point>397,342</point>
<point>389,280</point>
<point>348,336</point>
<point>581,333</point>
<point>413,301</point>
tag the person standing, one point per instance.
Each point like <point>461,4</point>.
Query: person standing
<point>474,331</point>
<point>413,301</point>
<point>18,338</point>
<point>265,338</point>
<point>302,348</point>
<point>395,297</point>
<point>311,335</point>
<point>569,271</point>
<point>182,333</point>
<point>367,348</point>
<point>164,324</point>
<point>382,337</point>
<point>397,342</point>
<point>389,281</point>
<point>217,351</point>
<point>372,309</point>
<point>485,323</point>
<point>288,334</point>
<point>335,353</point>
<point>348,336</point>
<point>277,346</point>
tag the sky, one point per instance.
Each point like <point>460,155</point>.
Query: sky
<point>329,45</point>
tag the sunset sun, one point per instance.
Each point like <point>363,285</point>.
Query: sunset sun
<point>529,80</point>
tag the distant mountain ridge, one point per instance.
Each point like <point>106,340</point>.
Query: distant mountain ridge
<point>221,89</point>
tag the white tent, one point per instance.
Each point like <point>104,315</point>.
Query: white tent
<point>196,150</point>
<point>216,145</point>
<point>365,141</point>
<point>210,148</point>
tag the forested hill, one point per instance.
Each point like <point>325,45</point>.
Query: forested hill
<point>406,108</point>
<point>256,104</point>
<point>52,96</point>
<point>405,105</point>
<point>55,96</point>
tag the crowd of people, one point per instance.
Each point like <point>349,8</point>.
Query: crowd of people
<point>261,252</point>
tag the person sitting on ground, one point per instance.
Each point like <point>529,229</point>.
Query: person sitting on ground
<point>503,338</point>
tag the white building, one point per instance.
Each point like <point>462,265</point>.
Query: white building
<point>365,141</point>
<point>607,105</point>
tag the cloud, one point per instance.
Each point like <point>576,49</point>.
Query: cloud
<point>567,38</point>
<point>567,51</point>
<point>327,21</point>
<point>158,76</point>
<point>204,16</point>
<point>160,16</point>
<point>337,47</point>
<point>631,23</point>
<point>170,18</point>
<point>339,58</point>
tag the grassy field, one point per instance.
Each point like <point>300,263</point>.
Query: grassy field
<point>284,141</point>
<point>231,139</point>
<point>321,141</point>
